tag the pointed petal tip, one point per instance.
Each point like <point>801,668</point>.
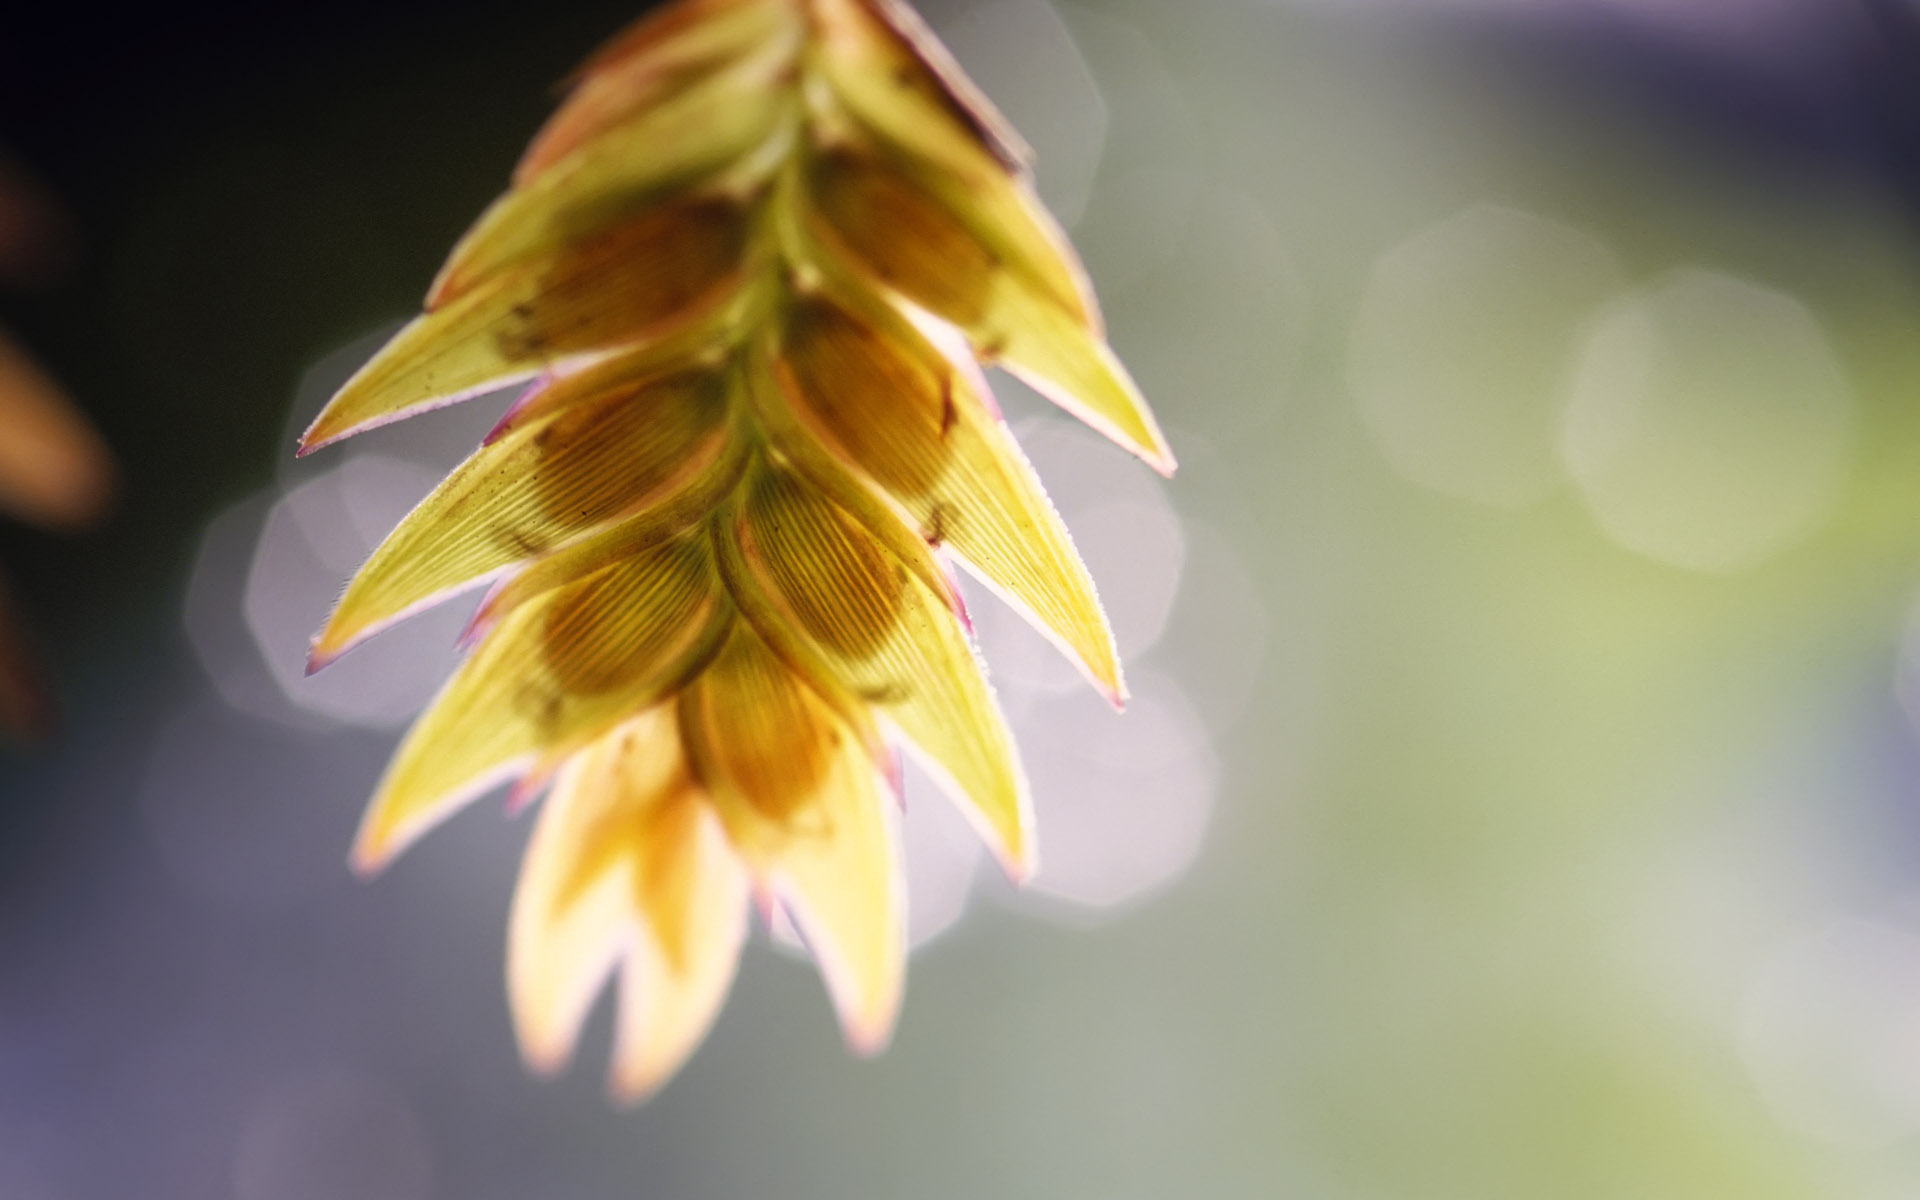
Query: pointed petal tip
<point>369,857</point>
<point>1018,864</point>
<point>526,790</point>
<point>477,625</point>
<point>869,1035</point>
<point>629,1086</point>
<point>319,436</point>
<point>1156,452</point>
<point>543,1055</point>
<point>321,656</point>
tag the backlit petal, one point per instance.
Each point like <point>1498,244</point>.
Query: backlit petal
<point>664,54</point>
<point>842,611</point>
<point>894,406</point>
<point>633,283</point>
<point>707,134</point>
<point>977,250</point>
<point>628,861</point>
<point>884,64</point>
<point>668,1001</point>
<point>553,675</point>
<point>544,484</point>
<point>805,803</point>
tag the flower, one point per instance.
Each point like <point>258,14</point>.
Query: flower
<point>752,267</point>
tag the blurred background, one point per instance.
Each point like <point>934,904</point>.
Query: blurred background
<point>1522,796</point>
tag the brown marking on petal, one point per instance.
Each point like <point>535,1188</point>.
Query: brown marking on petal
<point>902,234</point>
<point>524,544</point>
<point>948,412</point>
<point>879,403</point>
<point>755,733</point>
<point>646,271</point>
<point>938,523</point>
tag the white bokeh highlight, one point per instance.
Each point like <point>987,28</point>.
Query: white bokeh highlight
<point>1462,350</point>
<point>943,852</point>
<point>1830,1032</point>
<point>1121,802</point>
<point>1710,424</point>
<point>314,538</point>
<point>269,568</point>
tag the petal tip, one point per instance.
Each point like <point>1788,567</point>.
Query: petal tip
<point>526,790</point>
<point>869,1035</point>
<point>1019,863</point>
<point>369,856</point>
<point>629,1087</point>
<point>543,1055</point>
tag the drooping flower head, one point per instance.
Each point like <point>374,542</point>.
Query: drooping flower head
<point>751,268</point>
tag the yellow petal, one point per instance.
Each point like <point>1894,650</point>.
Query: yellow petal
<point>809,458</point>
<point>572,908</point>
<point>737,119</point>
<point>641,533</point>
<point>667,1004</point>
<point>1069,365</point>
<point>628,860</point>
<point>558,672</point>
<point>544,484</point>
<point>949,242</point>
<point>662,55</point>
<point>978,251</point>
<point>888,68</point>
<point>898,409</point>
<point>634,283</point>
<point>802,800</point>
<point>850,618</point>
